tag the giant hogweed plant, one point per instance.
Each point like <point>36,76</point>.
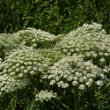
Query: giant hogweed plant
<point>41,71</point>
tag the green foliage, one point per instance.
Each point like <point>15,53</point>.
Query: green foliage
<point>58,16</point>
<point>7,43</point>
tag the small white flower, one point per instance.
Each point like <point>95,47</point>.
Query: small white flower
<point>75,83</point>
<point>82,87</point>
<point>25,71</point>
<point>84,78</point>
<point>65,50</point>
<point>3,89</point>
<point>90,80</point>
<point>52,82</point>
<point>77,74</point>
<point>13,67</point>
<point>17,70</point>
<point>70,78</point>
<point>17,65</point>
<point>50,76</point>
<point>88,84</point>
<point>81,79</point>
<point>57,78</point>
<point>65,85</point>
<point>22,67</point>
<point>9,70</point>
<point>32,72</point>
<point>29,67</point>
<point>65,76</point>
<point>34,45</point>
<point>100,83</point>
<point>102,76</point>
<point>34,68</point>
<point>21,75</point>
<point>60,83</point>
<point>29,63</point>
<point>75,78</point>
<point>102,60</point>
<point>12,73</point>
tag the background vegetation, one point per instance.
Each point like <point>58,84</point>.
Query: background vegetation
<point>55,16</point>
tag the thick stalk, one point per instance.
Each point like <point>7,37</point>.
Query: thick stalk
<point>76,99</point>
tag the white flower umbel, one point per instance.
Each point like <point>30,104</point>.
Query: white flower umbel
<point>73,70</point>
<point>8,84</point>
<point>99,83</point>
<point>88,40</point>
<point>36,38</point>
<point>45,95</point>
<point>24,62</point>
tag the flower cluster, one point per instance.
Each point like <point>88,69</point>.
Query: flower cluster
<point>24,62</point>
<point>18,67</point>
<point>84,42</point>
<point>36,38</point>
<point>87,28</point>
<point>45,95</point>
<point>72,70</point>
<point>88,40</point>
<point>8,84</point>
<point>76,60</point>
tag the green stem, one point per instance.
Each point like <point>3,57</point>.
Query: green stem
<point>63,105</point>
<point>56,105</point>
<point>76,97</point>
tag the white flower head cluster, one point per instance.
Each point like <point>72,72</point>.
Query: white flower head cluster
<point>22,63</point>
<point>18,67</point>
<point>87,28</point>
<point>72,70</point>
<point>45,95</point>
<point>8,84</point>
<point>66,62</point>
<point>86,41</point>
<point>36,38</point>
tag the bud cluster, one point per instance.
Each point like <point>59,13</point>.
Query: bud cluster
<point>84,42</point>
<point>45,95</point>
<point>89,40</point>
<point>72,70</point>
<point>8,84</point>
<point>18,67</point>
<point>36,38</point>
<point>22,63</point>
